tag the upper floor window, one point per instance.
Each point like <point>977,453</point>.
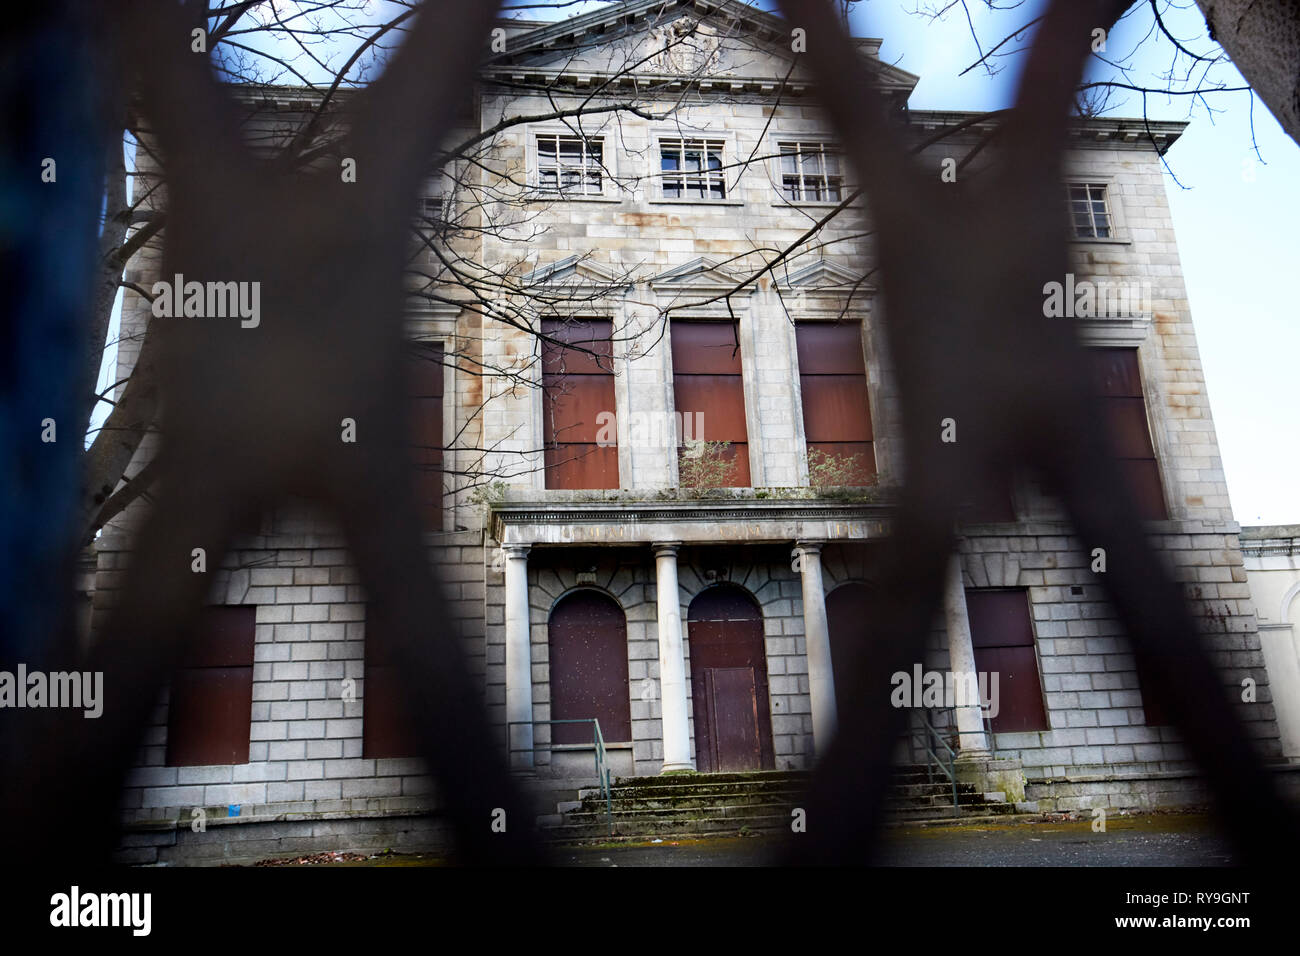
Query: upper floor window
<point>1089,212</point>
<point>570,165</point>
<point>836,404</point>
<point>578,428</point>
<point>692,168</point>
<point>810,172</point>
<point>425,365</point>
<point>1117,381</point>
<point>709,392</point>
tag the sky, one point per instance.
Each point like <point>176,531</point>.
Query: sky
<point>1235,216</point>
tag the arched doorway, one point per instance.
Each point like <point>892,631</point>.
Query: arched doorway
<point>733,725</point>
<point>849,618</point>
<point>587,637</point>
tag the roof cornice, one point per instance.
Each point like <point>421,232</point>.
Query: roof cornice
<point>1135,131</point>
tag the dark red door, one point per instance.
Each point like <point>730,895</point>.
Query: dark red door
<point>733,703</point>
<point>733,726</point>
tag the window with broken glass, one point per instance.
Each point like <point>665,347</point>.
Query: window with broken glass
<point>1089,214</point>
<point>692,169</point>
<point>570,165</point>
<point>810,172</point>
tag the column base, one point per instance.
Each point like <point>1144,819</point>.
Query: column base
<point>678,768</point>
<point>988,774</point>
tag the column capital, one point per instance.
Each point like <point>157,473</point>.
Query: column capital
<point>665,547</point>
<point>811,547</point>
<point>516,550</point>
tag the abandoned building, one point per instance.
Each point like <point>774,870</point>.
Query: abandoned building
<point>660,514</point>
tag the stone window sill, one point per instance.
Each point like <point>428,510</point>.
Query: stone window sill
<point>557,197</point>
<point>696,202</point>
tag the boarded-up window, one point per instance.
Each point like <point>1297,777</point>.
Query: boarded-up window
<point>211,702</point>
<point>387,728</point>
<point>578,430</point>
<point>588,658</point>
<point>1119,385</point>
<point>425,383</point>
<point>836,405</point>
<point>708,389</point>
<point>1152,709</point>
<point>1003,636</point>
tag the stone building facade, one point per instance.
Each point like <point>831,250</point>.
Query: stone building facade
<point>710,619</point>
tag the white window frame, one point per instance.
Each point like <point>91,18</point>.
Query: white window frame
<point>1080,172</point>
<point>813,145</point>
<point>1090,186</point>
<point>604,167</point>
<point>707,142</point>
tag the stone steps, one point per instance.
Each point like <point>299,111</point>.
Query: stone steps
<point>692,805</point>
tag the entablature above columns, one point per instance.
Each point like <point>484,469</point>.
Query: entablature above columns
<point>694,522</point>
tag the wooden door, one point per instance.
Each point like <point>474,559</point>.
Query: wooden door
<point>733,707</point>
<point>733,725</point>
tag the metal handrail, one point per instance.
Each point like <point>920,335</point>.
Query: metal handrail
<point>949,769</point>
<point>602,763</point>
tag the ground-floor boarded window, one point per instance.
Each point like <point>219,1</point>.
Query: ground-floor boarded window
<point>1002,633</point>
<point>387,729</point>
<point>1152,709</point>
<point>210,706</point>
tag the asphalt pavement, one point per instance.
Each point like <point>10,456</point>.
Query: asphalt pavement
<point>1141,840</point>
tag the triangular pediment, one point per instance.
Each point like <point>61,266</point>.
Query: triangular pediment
<point>575,272</point>
<point>720,41</point>
<point>701,274</point>
<point>823,275</point>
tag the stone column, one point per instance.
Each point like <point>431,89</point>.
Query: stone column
<point>972,742</point>
<point>672,662</point>
<point>519,659</point>
<point>817,640</point>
